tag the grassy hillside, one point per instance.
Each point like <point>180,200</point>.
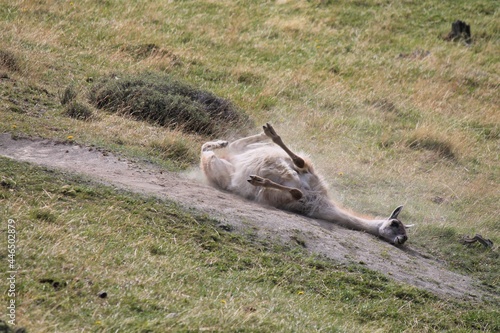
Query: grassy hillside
<point>390,111</point>
<point>96,260</point>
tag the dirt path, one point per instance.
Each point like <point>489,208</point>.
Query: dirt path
<point>401,264</point>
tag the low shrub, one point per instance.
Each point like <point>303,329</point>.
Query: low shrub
<point>78,111</point>
<point>160,99</point>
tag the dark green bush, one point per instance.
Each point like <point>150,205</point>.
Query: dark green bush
<point>165,101</point>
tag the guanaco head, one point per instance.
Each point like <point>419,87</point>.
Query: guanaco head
<point>393,230</point>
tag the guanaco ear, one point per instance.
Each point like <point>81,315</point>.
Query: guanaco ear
<point>396,212</point>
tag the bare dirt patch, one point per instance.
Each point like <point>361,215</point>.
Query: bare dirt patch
<point>404,264</point>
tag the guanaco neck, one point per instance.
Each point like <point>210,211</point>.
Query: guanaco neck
<point>331,213</point>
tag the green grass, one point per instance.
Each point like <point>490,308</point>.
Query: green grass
<point>390,112</point>
<point>163,269</point>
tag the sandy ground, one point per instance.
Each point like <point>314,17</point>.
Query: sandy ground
<point>403,264</point>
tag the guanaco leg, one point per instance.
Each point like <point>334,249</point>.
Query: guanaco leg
<point>271,133</point>
<point>217,170</point>
<point>267,183</point>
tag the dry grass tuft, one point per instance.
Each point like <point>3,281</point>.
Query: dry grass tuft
<point>68,95</point>
<point>150,50</point>
<point>175,148</point>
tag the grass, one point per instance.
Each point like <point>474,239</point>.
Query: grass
<point>98,260</point>
<point>8,61</point>
<point>390,112</point>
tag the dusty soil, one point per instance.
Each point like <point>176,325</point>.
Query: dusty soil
<point>403,264</point>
